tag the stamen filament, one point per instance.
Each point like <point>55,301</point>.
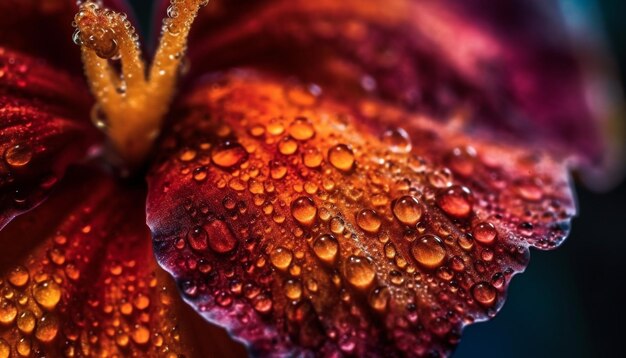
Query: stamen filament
<point>133,102</point>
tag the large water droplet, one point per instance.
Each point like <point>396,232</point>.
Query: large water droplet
<point>341,157</point>
<point>407,210</point>
<point>484,293</point>
<point>428,251</point>
<point>229,154</point>
<point>359,271</point>
<point>456,201</point>
<point>47,328</point>
<point>301,129</point>
<point>8,311</point>
<point>326,247</point>
<point>221,238</point>
<point>304,210</point>
<point>281,258</point>
<point>19,155</point>
<point>369,221</point>
<point>19,276</point>
<point>485,233</point>
<point>397,140</point>
<point>379,298</point>
<point>47,293</point>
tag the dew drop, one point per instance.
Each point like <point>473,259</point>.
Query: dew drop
<point>278,169</point>
<point>19,155</point>
<point>428,251</point>
<point>397,140</point>
<point>456,201</point>
<point>484,293</point>
<point>312,157</point>
<point>5,349</point>
<point>23,347</point>
<point>379,298</point>
<point>287,146</point>
<point>187,155</point>
<point>281,257</point>
<point>462,160</point>
<point>485,233</point>
<point>47,328</point>
<point>369,221</point>
<point>301,129</point>
<point>19,276</point>
<point>8,312</point>
<point>304,210</point>
<point>337,226</point>
<point>341,157</point>
<point>326,247</point>
<point>407,210</point>
<point>221,238</point>
<point>228,154</point>
<point>47,293</point>
<point>262,304</point>
<point>198,239</point>
<point>293,289</point>
<point>26,322</point>
<point>141,301</point>
<point>359,271</point>
<point>140,334</point>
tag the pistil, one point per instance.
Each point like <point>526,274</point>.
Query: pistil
<point>130,100</point>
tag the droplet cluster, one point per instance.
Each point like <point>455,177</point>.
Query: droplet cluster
<point>87,290</point>
<point>336,232</point>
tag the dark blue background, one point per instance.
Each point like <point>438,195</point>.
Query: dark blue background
<point>570,302</point>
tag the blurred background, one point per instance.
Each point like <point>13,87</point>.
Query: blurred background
<point>570,302</point>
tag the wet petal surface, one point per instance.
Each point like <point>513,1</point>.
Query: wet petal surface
<point>78,277</point>
<point>304,224</point>
<point>487,58</point>
<point>44,115</point>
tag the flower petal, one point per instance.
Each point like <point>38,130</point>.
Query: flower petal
<point>307,225</point>
<point>45,127</point>
<point>78,278</point>
<point>435,56</point>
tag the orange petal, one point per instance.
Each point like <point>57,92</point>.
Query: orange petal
<point>78,278</point>
<point>307,225</point>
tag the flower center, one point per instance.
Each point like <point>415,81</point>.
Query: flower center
<point>131,100</point>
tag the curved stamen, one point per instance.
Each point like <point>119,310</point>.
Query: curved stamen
<point>133,101</point>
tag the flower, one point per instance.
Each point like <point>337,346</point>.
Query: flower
<point>324,178</point>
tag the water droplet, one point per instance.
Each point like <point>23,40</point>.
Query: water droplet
<point>326,247</point>
<point>287,146</point>
<point>359,271</point>
<point>337,226</point>
<point>304,210</point>
<point>312,157</point>
<point>23,347</point>
<point>484,293</point>
<point>26,322</point>
<point>198,239</point>
<point>397,140</point>
<point>141,301</point>
<point>407,210</point>
<point>428,251</point>
<point>187,155</point>
<point>278,169</point>
<point>140,334</point>
<point>369,221</point>
<point>485,233</point>
<point>462,160</point>
<point>221,238</point>
<point>200,173</point>
<point>293,289</point>
<point>341,157</point>
<point>47,293</point>
<point>440,178</point>
<point>8,311</point>
<point>262,304</point>
<point>379,298</point>
<point>47,328</point>
<point>228,154</point>
<point>456,201</point>
<point>19,155</point>
<point>281,258</point>
<point>19,276</point>
<point>529,189</point>
<point>301,129</point>
<point>5,349</point>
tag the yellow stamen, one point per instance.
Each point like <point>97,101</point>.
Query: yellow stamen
<point>134,101</point>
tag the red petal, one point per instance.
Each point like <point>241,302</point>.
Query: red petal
<point>436,56</point>
<point>45,127</point>
<point>307,225</point>
<point>81,279</point>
